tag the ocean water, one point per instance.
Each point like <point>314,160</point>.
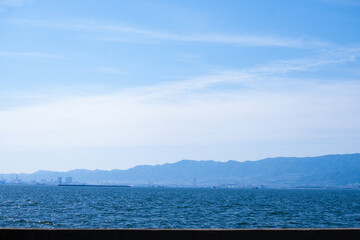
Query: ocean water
<point>101,207</point>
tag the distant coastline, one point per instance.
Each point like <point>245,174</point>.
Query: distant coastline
<point>322,172</point>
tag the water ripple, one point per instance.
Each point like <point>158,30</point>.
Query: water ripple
<point>75,207</point>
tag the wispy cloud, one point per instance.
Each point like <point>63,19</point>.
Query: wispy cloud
<point>190,113</point>
<point>128,119</point>
<point>13,3</point>
<point>269,76</point>
<point>30,54</point>
<point>109,70</point>
<point>327,57</point>
<point>134,33</point>
<point>349,3</point>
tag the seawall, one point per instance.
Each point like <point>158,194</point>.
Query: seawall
<point>174,234</point>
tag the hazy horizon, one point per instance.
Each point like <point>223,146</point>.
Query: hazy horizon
<point>94,85</point>
<point>156,164</point>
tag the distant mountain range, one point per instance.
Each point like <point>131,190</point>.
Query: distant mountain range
<point>323,171</point>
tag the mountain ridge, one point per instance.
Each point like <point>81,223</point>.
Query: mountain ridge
<point>327,170</point>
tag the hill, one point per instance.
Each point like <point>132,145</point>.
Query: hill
<point>322,171</point>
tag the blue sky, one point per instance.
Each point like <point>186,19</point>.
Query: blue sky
<point>113,84</point>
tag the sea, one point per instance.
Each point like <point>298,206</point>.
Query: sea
<point>191,208</point>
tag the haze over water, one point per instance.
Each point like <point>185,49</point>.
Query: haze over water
<point>82,207</point>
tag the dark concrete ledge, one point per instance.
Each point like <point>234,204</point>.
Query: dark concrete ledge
<point>174,234</point>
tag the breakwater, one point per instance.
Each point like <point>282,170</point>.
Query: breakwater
<point>92,185</point>
<point>177,234</point>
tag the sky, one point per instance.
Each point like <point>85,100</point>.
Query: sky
<point>114,84</point>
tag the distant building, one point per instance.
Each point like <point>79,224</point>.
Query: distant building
<point>68,180</point>
<point>17,180</point>
<point>2,180</point>
<point>59,180</point>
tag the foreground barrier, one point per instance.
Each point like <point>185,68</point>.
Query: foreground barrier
<point>174,234</point>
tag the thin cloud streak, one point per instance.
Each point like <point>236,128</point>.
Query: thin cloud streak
<point>109,70</point>
<point>14,3</point>
<point>30,54</point>
<point>348,3</point>
<point>5,4</point>
<point>263,76</point>
<point>134,33</point>
<point>330,57</point>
